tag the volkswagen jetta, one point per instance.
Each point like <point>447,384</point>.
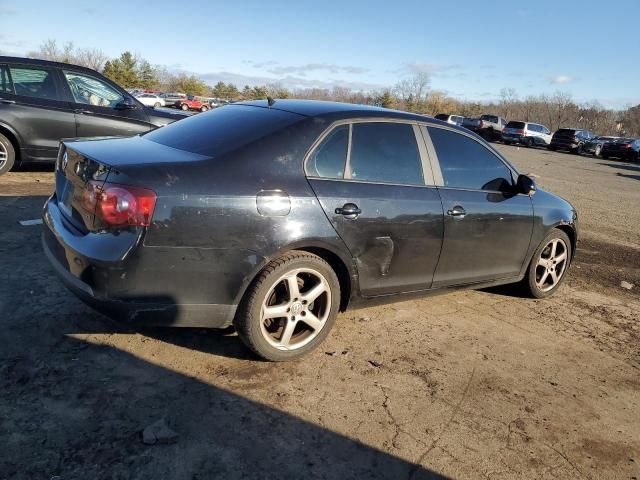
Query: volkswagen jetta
<point>274,216</point>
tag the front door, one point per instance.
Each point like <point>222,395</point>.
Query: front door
<point>487,226</point>
<point>98,108</point>
<point>373,191</point>
<point>34,104</point>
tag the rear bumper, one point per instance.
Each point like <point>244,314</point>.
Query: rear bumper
<point>564,145</point>
<point>115,286</point>
<point>509,137</point>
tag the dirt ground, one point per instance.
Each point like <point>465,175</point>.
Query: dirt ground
<point>468,385</point>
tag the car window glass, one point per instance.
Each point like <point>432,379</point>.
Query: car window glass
<point>5,83</point>
<point>385,152</point>
<point>91,91</point>
<point>328,159</point>
<point>465,163</point>
<point>34,82</point>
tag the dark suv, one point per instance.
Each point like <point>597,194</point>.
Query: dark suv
<point>571,139</point>
<point>42,102</point>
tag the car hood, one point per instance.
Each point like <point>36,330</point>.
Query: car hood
<point>164,116</point>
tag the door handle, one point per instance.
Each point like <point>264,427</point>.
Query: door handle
<point>349,210</point>
<point>8,102</point>
<point>83,112</point>
<point>457,212</point>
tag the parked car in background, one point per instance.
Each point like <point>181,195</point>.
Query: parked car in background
<point>526,133</point>
<point>42,102</point>
<point>171,98</point>
<point>622,148</point>
<point>452,119</point>
<point>275,249</point>
<point>489,127</point>
<point>594,146</point>
<point>150,100</point>
<point>570,139</point>
<point>193,103</point>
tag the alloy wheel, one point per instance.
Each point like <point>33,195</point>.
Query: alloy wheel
<point>4,155</point>
<point>551,264</point>
<point>597,150</point>
<point>295,309</point>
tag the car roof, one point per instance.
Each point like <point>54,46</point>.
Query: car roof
<point>320,108</point>
<point>44,63</point>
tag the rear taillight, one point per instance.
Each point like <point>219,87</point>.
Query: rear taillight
<point>625,145</point>
<point>520,132</point>
<point>120,205</point>
<point>481,124</point>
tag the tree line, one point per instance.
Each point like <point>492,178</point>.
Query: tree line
<point>413,94</point>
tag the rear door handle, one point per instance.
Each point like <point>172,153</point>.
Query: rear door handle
<point>349,210</point>
<point>83,112</point>
<point>457,212</point>
<point>8,102</point>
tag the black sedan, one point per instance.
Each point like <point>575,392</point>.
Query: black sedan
<point>275,216</point>
<point>594,146</point>
<point>623,149</point>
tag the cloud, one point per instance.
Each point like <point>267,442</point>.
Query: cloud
<point>560,79</point>
<point>287,81</point>
<point>426,68</point>
<point>276,68</point>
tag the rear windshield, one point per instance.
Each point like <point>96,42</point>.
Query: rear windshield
<point>567,131</point>
<point>519,125</point>
<point>489,118</point>
<point>442,116</point>
<point>222,129</point>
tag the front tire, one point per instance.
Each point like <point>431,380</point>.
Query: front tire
<point>184,107</point>
<point>290,307</point>
<point>203,109</point>
<point>549,265</point>
<point>156,105</point>
<point>597,150</point>
<point>7,154</point>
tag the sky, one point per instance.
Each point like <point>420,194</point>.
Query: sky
<point>471,49</point>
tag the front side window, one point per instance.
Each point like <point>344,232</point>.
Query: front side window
<point>91,91</point>
<point>385,152</point>
<point>467,164</point>
<point>328,159</point>
<point>34,82</point>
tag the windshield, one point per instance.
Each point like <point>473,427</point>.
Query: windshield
<point>518,125</point>
<point>222,129</point>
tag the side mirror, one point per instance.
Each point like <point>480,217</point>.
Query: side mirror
<point>525,185</point>
<point>127,104</point>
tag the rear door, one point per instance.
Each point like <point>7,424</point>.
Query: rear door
<point>34,104</point>
<point>374,182</point>
<point>487,227</point>
<point>98,107</point>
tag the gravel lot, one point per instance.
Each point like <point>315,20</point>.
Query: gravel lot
<point>468,385</point>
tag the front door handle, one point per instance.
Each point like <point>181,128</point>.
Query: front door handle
<point>457,212</point>
<point>8,102</point>
<point>349,210</point>
<point>83,112</point>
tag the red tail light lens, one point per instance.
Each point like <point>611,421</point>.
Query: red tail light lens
<point>120,205</point>
<point>625,145</point>
<point>520,132</point>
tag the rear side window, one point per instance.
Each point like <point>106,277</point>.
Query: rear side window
<point>91,91</point>
<point>34,82</point>
<point>489,118</point>
<point>328,159</point>
<point>5,83</point>
<point>442,116</point>
<point>518,125</point>
<point>385,152</point>
<point>467,164</point>
<point>534,128</point>
<point>222,129</point>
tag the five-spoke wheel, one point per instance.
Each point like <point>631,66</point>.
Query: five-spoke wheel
<point>549,264</point>
<point>290,307</point>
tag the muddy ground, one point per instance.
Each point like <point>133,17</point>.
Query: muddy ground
<point>468,385</point>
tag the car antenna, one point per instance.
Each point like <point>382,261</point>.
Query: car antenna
<point>270,101</point>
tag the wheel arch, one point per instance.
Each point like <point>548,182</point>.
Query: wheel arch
<point>14,138</point>
<point>339,262</point>
<point>571,233</point>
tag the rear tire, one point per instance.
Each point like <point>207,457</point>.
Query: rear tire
<point>184,107</point>
<point>528,142</point>
<point>282,316</point>
<point>548,269</point>
<point>156,105</point>
<point>597,150</point>
<point>7,154</point>
<point>203,109</point>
